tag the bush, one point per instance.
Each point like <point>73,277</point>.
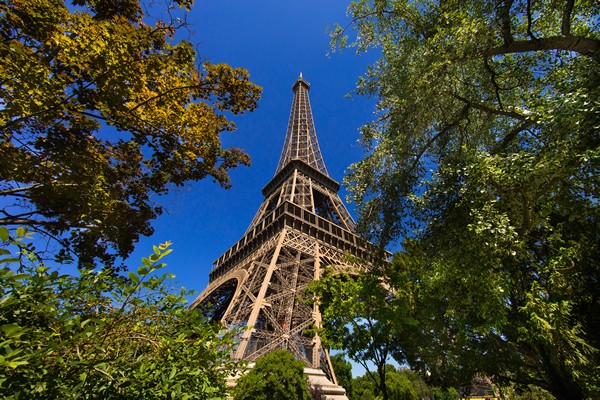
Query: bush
<point>97,335</point>
<point>276,376</point>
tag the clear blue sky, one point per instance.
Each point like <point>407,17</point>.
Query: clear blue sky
<point>274,41</point>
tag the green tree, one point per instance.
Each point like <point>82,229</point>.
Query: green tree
<point>362,315</point>
<point>100,112</point>
<point>439,393</point>
<point>485,159</point>
<point>363,388</point>
<point>343,372</point>
<point>402,384</point>
<point>98,335</point>
<point>275,376</point>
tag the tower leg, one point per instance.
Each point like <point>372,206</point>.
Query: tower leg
<point>241,350</point>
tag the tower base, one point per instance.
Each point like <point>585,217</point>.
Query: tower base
<point>322,388</point>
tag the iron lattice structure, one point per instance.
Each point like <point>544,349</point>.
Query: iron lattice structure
<point>301,227</point>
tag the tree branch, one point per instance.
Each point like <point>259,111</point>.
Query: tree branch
<point>565,27</point>
<point>490,110</point>
<point>41,222</point>
<point>493,79</point>
<point>51,108</point>
<point>504,14</point>
<point>104,373</point>
<point>24,221</point>
<point>511,135</point>
<point>15,191</point>
<point>158,96</point>
<point>585,46</point>
<point>91,115</point>
<point>8,192</point>
<point>529,22</point>
<point>20,216</point>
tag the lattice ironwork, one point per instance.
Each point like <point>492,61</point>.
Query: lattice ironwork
<point>301,137</point>
<point>301,227</point>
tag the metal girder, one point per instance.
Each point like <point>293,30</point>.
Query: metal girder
<point>301,227</point>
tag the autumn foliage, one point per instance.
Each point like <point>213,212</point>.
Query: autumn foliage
<point>101,111</point>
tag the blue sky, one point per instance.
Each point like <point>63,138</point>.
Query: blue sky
<point>275,41</point>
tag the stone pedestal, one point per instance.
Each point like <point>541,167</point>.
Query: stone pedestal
<point>321,387</point>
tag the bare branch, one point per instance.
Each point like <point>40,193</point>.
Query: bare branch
<point>8,192</point>
<point>529,21</point>
<point>585,46</point>
<point>490,110</point>
<point>20,216</point>
<point>91,115</point>
<point>511,135</point>
<point>504,14</point>
<point>565,27</point>
<point>104,373</point>
<point>24,221</point>
<point>15,191</point>
<point>440,132</point>
<point>41,222</point>
<point>492,73</point>
<point>146,338</point>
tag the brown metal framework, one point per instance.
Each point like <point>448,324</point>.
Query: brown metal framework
<point>301,227</point>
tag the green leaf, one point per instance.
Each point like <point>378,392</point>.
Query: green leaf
<point>134,278</point>
<point>17,277</point>
<point>15,364</point>
<point>12,331</point>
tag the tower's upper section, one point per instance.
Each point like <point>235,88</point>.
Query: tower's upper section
<point>301,138</point>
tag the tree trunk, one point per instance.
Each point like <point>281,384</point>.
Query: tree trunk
<point>382,384</point>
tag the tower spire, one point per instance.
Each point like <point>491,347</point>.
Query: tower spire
<point>301,137</point>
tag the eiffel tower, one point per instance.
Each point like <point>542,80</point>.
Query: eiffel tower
<point>301,227</point>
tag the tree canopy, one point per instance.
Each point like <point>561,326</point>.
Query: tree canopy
<point>275,376</point>
<point>402,384</point>
<point>358,320</point>
<point>98,335</point>
<point>484,165</point>
<point>101,110</point>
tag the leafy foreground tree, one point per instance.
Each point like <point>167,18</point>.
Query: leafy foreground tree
<point>101,111</point>
<point>402,384</point>
<point>99,336</point>
<point>485,159</point>
<point>356,320</point>
<point>275,376</point>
